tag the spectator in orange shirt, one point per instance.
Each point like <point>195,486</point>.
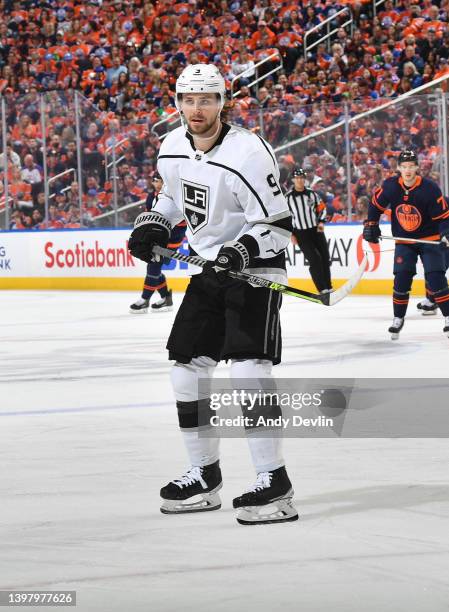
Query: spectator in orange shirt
<point>55,217</point>
<point>23,130</point>
<point>263,35</point>
<point>442,69</point>
<point>131,193</point>
<point>16,222</point>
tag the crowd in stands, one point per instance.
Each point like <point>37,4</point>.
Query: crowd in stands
<point>123,57</point>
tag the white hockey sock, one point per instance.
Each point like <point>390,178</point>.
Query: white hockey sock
<point>201,451</point>
<point>266,452</point>
<point>185,380</point>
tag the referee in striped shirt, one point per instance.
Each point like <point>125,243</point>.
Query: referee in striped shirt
<point>309,213</point>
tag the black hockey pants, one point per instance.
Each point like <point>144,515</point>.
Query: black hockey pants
<point>314,246</point>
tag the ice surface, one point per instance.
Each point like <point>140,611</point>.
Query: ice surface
<point>88,434</point>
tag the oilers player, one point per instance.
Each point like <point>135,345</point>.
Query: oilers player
<point>155,280</point>
<point>418,210</point>
<point>225,182</point>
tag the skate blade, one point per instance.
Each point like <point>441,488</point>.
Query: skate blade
<point>206,503</point>
<point>162,309</point>
<point>428,313</point>
<point>141,311</point>
<point>281,511</point>
<point>268,522</point>
<point>394,336</point>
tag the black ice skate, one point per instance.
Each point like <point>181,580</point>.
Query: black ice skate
<point>446,326</point>
<point>396,327</point>
<point>427,307</point>
<point>164,304</point>
<point>269,500</point>
<point>139,307</point>
<point>196,491</point>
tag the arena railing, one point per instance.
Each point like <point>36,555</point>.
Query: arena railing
<point>382,105</point>
<point>59,176</point>
<point>327,22</point>
<point>377,3</point>
<point>290,130</point>
<point>111,149</point>
<point>173,118</point>
<point>5,212</point>
<point>255,69</point>
<point>436,101</point>
<point>101,220</point>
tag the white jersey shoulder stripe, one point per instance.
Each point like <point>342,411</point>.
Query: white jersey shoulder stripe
<point>255,137</point>
<point>243,179</point>
<point>267,149</point>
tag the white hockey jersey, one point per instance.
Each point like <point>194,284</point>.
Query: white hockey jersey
<point>230,190</point>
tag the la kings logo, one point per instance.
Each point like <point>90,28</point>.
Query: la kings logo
<point>195,199</point>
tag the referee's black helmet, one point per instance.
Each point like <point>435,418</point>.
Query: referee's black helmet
<point>299,172</point>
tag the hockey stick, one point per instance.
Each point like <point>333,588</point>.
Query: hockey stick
<point>327,299</point>
<point>414,240</point>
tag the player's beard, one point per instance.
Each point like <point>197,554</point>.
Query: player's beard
<point>203,129</point>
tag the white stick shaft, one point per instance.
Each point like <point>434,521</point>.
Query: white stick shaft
<point>435,242</point>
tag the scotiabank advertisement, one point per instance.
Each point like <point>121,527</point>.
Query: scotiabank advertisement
<point>103,254</point>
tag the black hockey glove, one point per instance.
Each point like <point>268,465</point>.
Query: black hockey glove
<point>150,229</point>
<point>371,231</point>
<point>231,256</point>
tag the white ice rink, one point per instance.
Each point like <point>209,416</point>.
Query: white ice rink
<point>89,434</point>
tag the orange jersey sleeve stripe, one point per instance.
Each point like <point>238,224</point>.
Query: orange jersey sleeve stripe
<point>434,237</point>
<point>374,199</point>
<point>444,215</point>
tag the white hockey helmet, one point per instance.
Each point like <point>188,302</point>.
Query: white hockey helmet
<point>200,78</point>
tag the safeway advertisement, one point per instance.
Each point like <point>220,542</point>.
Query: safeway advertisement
<point>104,253</point>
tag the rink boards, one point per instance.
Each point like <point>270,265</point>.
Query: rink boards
<point>99,260</point>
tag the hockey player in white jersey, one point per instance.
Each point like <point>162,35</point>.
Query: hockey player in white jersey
<point>225,182</point>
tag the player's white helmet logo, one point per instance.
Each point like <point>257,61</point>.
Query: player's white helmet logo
<point>200,78</point>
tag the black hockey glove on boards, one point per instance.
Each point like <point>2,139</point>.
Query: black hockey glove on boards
<point>150,229</point>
